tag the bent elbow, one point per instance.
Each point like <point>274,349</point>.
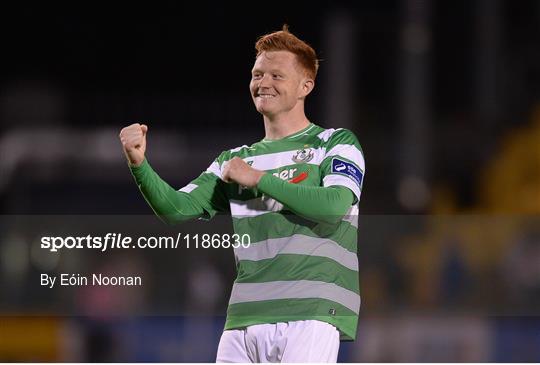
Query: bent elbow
<point>334,214</point>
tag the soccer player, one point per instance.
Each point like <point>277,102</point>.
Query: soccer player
<point>296,194</point>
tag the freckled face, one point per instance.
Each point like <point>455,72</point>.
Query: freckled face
<point>276,83</point>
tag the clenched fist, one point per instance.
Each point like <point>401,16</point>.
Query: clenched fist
<point>133,140</point>
<point>238,171</point>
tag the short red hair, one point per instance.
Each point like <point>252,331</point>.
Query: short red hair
<point>284,40</point>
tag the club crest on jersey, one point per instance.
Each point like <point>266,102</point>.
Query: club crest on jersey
<point>303,155</point>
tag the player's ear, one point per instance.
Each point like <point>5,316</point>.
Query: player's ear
<point>307,85</point>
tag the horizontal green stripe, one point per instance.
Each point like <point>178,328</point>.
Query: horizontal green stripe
<point>285,310</point>
<point>298,267</point>
<point>283,224</point>
<point>299,245</point>
<point>265,148</point>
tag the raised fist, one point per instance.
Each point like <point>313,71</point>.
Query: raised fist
<point>133,140</point>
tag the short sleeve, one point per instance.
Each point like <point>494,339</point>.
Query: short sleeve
<point>343,162</point>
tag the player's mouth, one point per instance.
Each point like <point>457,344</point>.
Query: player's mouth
<point>265,96</point>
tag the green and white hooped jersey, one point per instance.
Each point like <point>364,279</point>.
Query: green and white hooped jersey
<point>294,269</point>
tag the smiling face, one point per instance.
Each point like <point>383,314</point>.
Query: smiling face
<point>278,84</point>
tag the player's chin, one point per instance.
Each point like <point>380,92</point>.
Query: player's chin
<point>262,107</point>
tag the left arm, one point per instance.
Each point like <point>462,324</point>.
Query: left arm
<point>317,203</point>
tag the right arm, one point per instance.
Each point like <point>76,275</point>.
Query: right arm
<point>170,205</point>
<point>202,198</point>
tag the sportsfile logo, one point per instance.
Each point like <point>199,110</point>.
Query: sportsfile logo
<point>342,167</point>
<point>112,241</point>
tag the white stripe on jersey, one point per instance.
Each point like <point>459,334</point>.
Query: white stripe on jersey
<point>352,215</point>
<point>327,133</point>
<point>238,148</point>
<point>272,161</point>
<point>254,207</point>
<point>189,188</point>
<point>214,169</point>
<point>342,180</point>
<point>349,152</point>
<point>277,160</point>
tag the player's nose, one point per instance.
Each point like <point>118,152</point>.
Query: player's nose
<point>264,82</point>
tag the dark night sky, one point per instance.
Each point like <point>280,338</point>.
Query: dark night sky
<point>208,48</point>
<point>187,66</point>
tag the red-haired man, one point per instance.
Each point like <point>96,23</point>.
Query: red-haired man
<point>295,193</point>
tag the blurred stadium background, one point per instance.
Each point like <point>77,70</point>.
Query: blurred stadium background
<point>443,96</point>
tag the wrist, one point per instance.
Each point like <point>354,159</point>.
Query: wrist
<point>133,161</point>
<point>136,165</point>
<point>262,181</point>
<point>258,177</point>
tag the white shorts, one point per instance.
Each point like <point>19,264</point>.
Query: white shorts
<point>298,341</point>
